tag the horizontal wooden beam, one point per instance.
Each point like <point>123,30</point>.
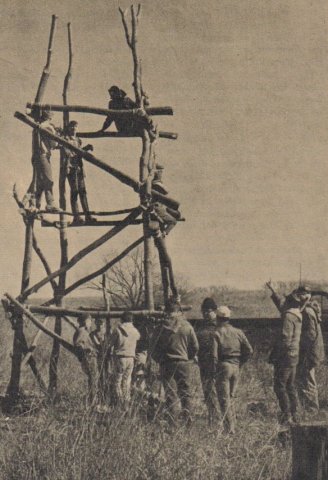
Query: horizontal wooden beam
<point>161,134</point>
<point>99,111</point>
<point>122,177</point>
<point>99,223</point>
<point>97,214</point>
<point>58,312</point>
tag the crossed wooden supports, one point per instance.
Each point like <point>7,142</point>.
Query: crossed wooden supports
<point>131,218</point>
<point>57,279</point>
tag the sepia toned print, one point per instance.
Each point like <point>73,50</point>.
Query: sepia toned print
<point>164,292</point>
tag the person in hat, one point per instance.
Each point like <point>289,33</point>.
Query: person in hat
<point>285,357</point>
<point>87,353</point>
<point>311,347</point>
<point>205,332</point>
<point>99,338</point>
<point>311,355</point>
<point>41,160</point>
<point>75,175</point>
<point>173,345</point>
<point>119,101</point>
<point>134,124</point>
<point>231,350</point>
<point>123,344</point>
<point>162,221</point>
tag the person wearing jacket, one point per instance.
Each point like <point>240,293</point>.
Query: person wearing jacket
<point>311,351</point>
<point>87,354</point>
<point>174,344</point>
<point>205,334</point>
<point>231,350</point>
<point>76,176</point>
<point>123,344</point>
<point>311,355</point>
<point>285,357</point>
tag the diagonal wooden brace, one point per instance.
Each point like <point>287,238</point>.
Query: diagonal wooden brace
<point>82,253</point>
<point>40,325</point>
<point>122,177</point>
<point>102,270</point>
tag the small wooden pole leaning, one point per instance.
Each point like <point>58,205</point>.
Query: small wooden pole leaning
<point>310,451</point>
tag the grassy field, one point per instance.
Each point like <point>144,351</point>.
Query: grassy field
<point>66,441</point>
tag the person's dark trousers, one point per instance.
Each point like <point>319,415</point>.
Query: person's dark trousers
<point>209,391</point>
<point>285,389</point>
<point>227,379</point>
<point>166,266</point>
<point>73,183</point>
<point>176,377</point>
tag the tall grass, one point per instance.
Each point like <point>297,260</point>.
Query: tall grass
<point>68,441</point>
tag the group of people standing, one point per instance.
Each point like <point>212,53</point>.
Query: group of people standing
<point>217,347</point>
<point>299,349</point>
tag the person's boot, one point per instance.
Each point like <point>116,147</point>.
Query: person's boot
<point>90,219</point>
<point>52,208</point>
<point>77,221</point>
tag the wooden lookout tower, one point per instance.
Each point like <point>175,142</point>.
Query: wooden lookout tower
<point>144,214</point>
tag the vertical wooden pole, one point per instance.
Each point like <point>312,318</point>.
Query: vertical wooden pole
<point>17,322</point>
<point>54,357</point>
<point>145,166</point>
<point>19,345</point>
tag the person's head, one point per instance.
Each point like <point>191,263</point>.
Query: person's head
<point>100,323</point>
<point>158,173</point>
<point>127,317</point>
<point>173,305</point>
<point>303,292</point>
<point>46,114</point>
<point>293,300</point>
<point>223,313</point>
<point>72,127</point>
<point>116,93</point>
<point>85,320</point>
<point>316,307</point>
<point>209,308</point>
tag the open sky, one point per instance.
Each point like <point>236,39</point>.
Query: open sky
<point>248,81</point>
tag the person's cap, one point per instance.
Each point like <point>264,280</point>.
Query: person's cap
<point>73,123</point>
<point>173,302</point>
<point>209,304</point>
<point>295,295</point>
<point>46,113</point>
<point>114,89</point>
<point>99,320</point>
<point>303,290</point>
<point>83,318</point>
<point>127,316</point>
<point>223,312</point>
